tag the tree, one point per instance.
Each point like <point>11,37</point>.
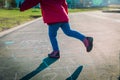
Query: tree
<point>9,4</point>
<point>13,3</point>
<point>1,3</point>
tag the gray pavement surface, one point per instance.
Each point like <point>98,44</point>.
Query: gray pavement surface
<point>24,51</point>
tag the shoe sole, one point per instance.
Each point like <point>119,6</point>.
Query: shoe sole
<point>53,56</point>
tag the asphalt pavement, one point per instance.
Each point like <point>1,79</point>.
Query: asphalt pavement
<point>23,51</point>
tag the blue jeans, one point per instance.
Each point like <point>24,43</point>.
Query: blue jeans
<point>53,28</point>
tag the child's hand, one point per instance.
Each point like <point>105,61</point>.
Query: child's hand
<point>27,4</point>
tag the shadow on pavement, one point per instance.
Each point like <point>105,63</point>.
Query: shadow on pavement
<point>76,73</point>
<point>46,63</point>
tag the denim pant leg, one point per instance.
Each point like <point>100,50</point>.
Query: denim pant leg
<point>66,29</point>
<point>53,28</point>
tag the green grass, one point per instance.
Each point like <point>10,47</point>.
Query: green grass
<point>12,18</point>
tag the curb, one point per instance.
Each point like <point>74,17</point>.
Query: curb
<point>112,10</point>
<point>16,28</point>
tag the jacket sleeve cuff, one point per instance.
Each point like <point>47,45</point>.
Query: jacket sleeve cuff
<point>27,4</point>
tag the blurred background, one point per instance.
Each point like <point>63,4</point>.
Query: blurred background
<point>10,16</point>
<point>71,3</point>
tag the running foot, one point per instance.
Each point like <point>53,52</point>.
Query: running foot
<point>88,42</point>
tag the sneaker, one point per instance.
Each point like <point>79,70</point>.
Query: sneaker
<point>88,43</point>
<point>54,54</point>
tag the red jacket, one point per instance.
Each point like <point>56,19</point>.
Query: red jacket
<point>52,10</point>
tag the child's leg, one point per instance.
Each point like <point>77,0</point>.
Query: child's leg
<point>53,28</point>
<point>88,41</point>
<point>66,29</point>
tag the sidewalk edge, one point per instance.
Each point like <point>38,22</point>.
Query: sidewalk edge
<point>16,28</point>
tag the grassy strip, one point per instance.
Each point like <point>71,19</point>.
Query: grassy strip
<point>82,10</point>
<point>11,18</point>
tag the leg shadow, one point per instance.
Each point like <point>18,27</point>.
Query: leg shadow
<point>76,73</point>
<point>46,63</point>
